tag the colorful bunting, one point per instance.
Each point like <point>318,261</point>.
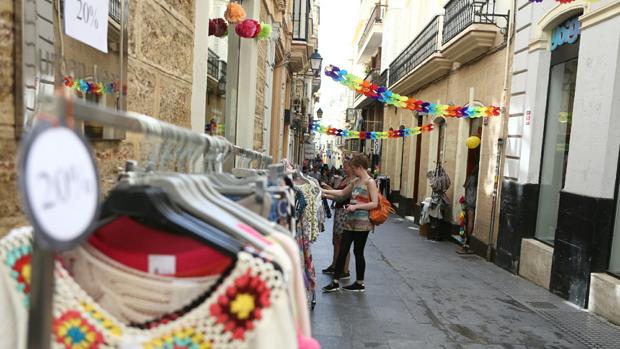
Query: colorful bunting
<point>372,135</point>
<point>383,95</point>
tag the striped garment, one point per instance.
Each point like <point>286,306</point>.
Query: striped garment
<point>358,220</point>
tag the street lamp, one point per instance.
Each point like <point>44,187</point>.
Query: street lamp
<point>315,61</point>
<point>319,113</point>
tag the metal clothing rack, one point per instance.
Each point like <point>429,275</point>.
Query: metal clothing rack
<point>192,146</point>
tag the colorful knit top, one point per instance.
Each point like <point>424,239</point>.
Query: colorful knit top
<point>358,220</point>
<point>248,309</point>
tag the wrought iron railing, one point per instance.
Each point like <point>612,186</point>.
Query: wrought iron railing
<point>460,14</point>
<point>302,20</point>
<point>213,65</point>
<point>223,67</point>
<point>422,47</point>
<point>376,16</point>
<point>383,78</point>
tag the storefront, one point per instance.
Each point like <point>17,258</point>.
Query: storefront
<point>558,198</point>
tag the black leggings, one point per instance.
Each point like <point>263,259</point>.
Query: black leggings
<point>358,238</point>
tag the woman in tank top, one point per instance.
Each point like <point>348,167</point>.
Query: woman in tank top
<point>364,196</point>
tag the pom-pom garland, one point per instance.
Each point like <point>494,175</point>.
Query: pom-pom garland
<point>372,135</point>
<point>383,95</point>
<point>248,29</point>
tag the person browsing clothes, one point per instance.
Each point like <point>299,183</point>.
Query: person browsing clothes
<point>364,196</point>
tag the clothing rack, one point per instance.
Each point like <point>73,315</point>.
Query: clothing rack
<point>193,144</point>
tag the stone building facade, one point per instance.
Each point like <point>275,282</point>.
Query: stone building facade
<point>454,58</point>
<point>10,212</point>
<point>166,77</point>
<point>559,210</point>
<point>159,84</point>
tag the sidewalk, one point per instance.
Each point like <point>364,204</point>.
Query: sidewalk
<point>421,294</point>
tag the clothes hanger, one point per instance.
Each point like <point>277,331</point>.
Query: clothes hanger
<point>182,199</point>
<point>252,219</point>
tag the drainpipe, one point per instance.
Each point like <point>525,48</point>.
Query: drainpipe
<point>501,140</point>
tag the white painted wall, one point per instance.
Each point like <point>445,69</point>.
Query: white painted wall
<point>595,136</point>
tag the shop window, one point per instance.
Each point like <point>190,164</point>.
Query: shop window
<point>558,121</point>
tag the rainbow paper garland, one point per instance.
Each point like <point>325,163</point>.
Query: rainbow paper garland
<point>98,88</point>
<point>372,135</point>
<point>382,94</point>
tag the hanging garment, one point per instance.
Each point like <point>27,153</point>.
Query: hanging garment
<point>244,310</point>
<point>190,258</point>
<point>310,216</point>
<point>129,295</point>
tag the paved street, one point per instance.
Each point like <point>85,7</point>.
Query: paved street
<point>420,294</point>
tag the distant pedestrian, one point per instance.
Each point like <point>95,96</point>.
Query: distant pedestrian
<point>315,173</point>
<point>364,197</point>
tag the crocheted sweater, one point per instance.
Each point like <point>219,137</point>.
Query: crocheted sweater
<point>248,309</point>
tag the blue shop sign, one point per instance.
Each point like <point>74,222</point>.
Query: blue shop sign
<point>565,33</point>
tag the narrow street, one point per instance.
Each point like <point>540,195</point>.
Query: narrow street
<point>420,294</point>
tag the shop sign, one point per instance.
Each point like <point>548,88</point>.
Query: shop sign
<point>565,33</point>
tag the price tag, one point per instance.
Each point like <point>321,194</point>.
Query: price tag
<point>59,184</point>
<point>87,21</point>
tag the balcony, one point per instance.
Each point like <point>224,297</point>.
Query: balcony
<point>115,10</point>
<point>420,62</point>
<point>213,68</point>
<point>371,37</point>
<point>471,27</point>
<point>302,34</point>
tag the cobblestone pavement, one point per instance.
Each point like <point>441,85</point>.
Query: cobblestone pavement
<point>421,294</point>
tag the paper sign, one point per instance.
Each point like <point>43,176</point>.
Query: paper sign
<point>60,186</point>
<point>87,21</point>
